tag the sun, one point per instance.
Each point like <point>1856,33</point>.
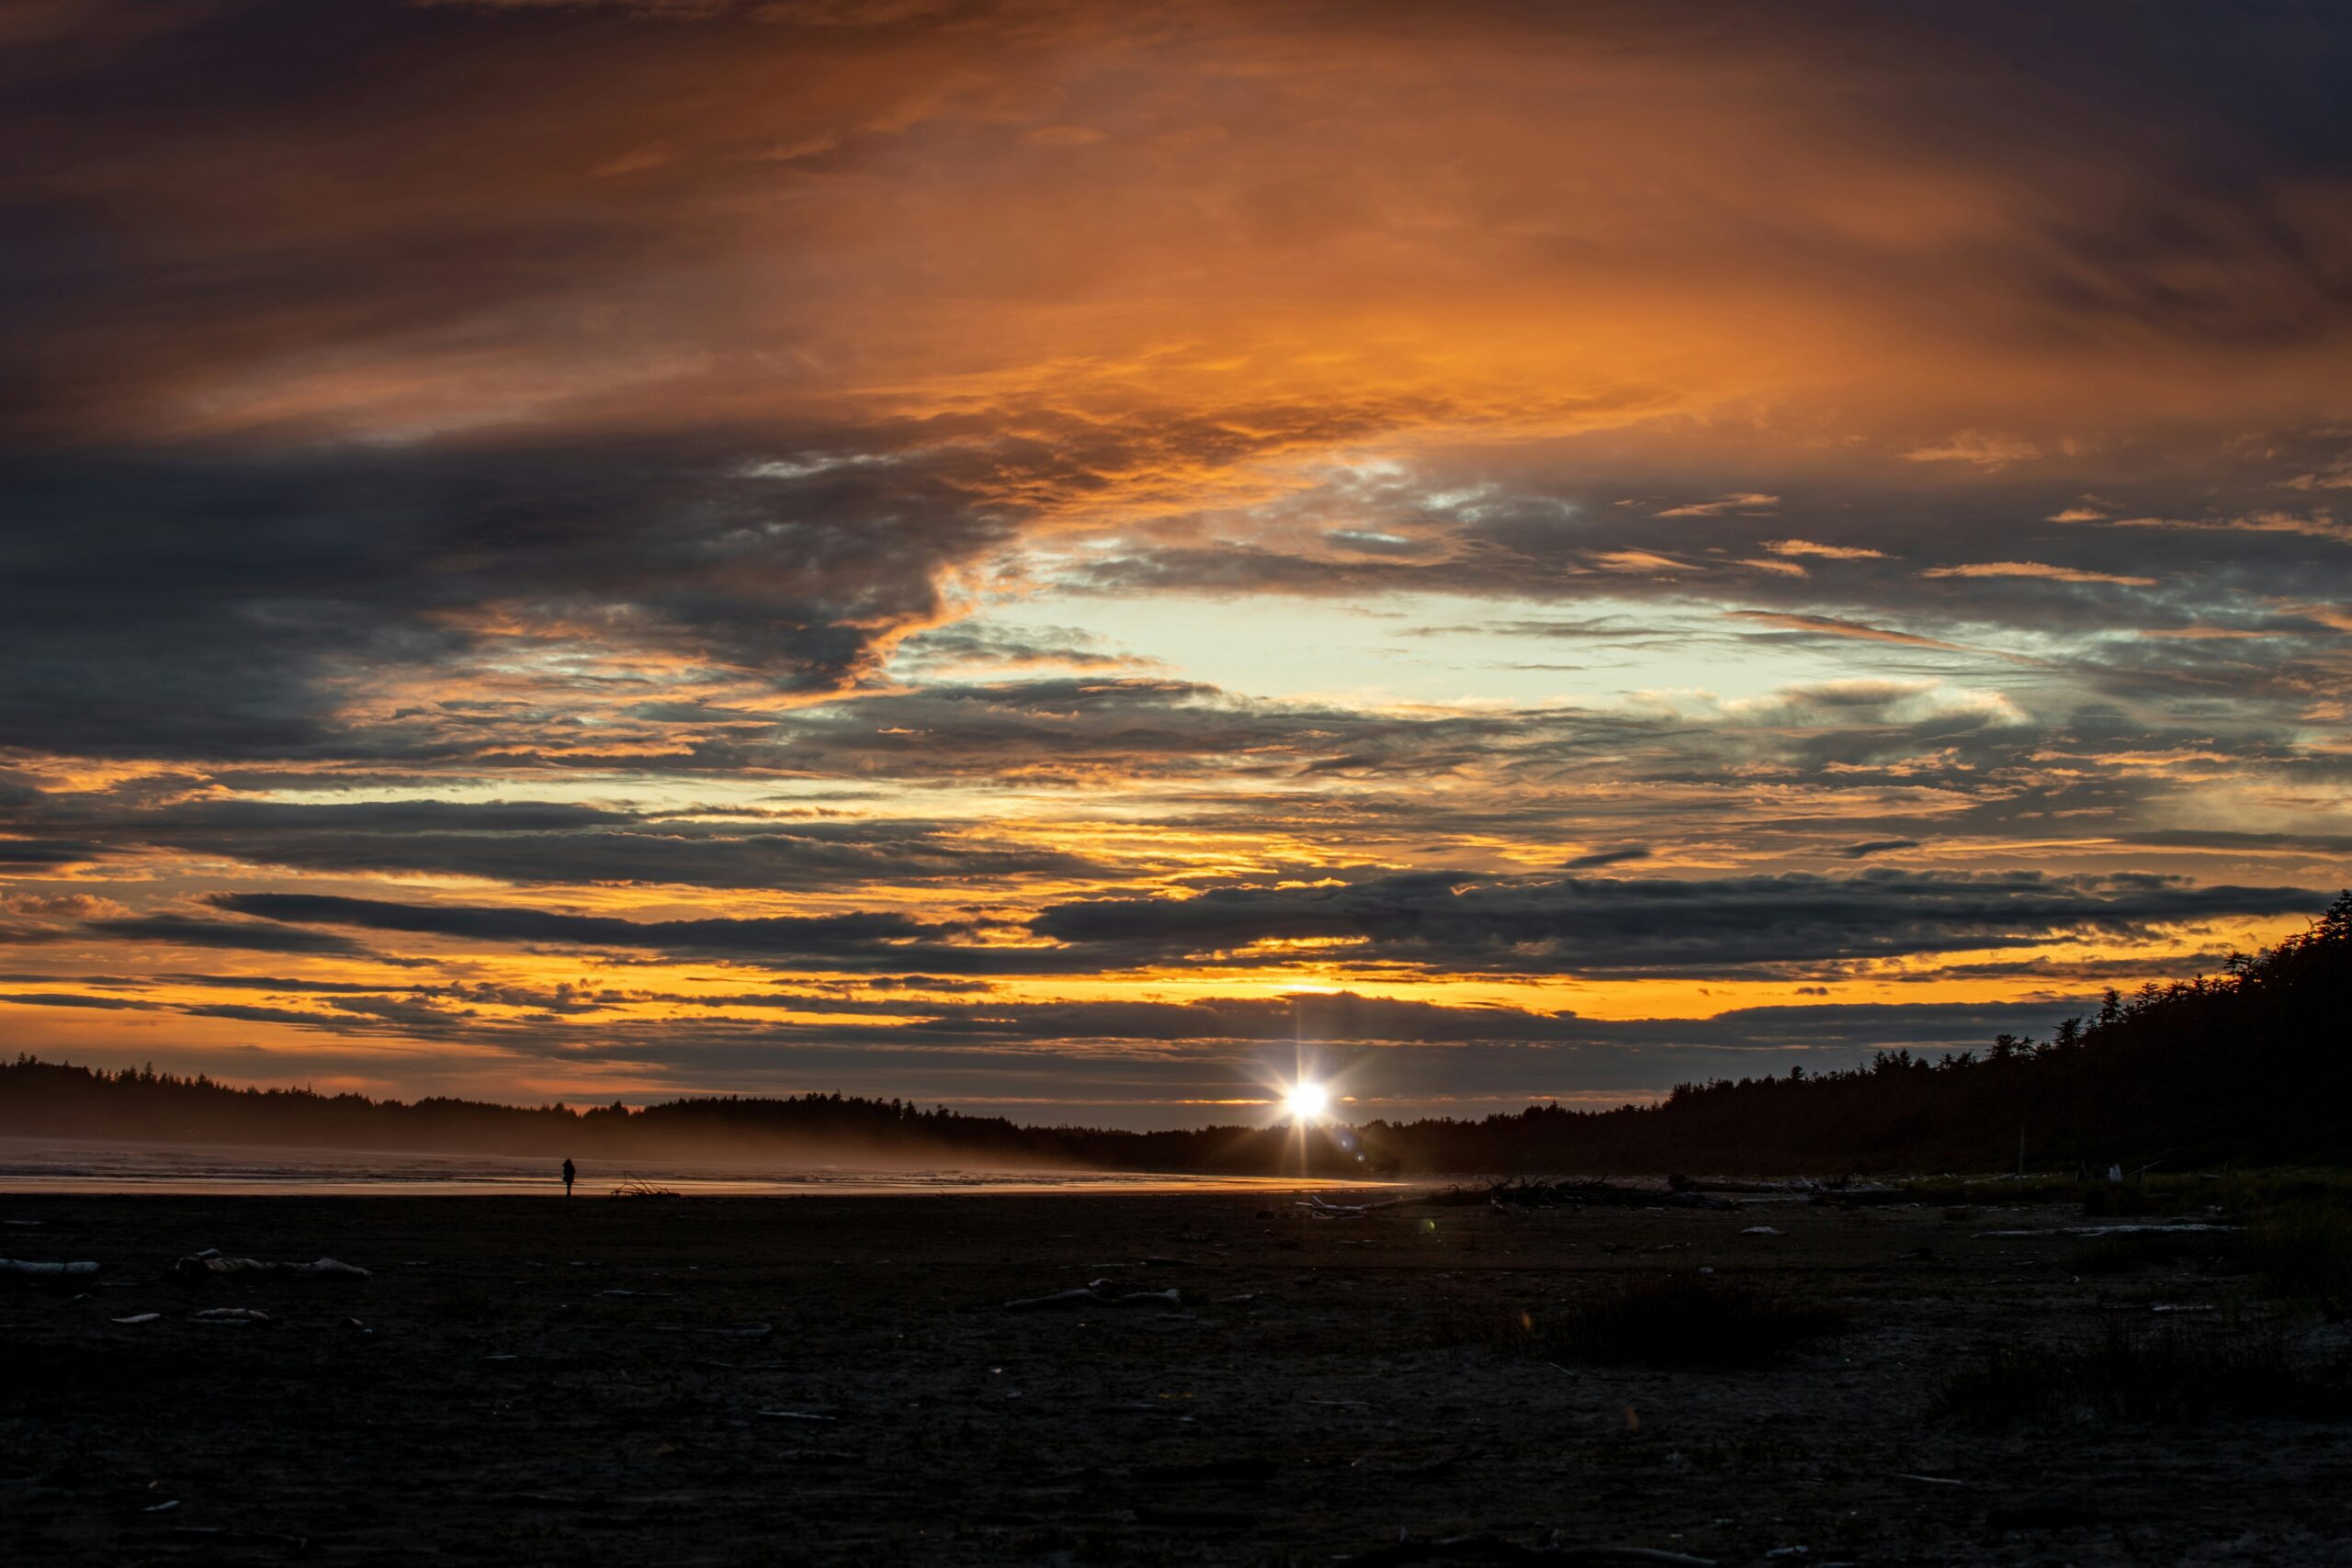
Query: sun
<point>1305,1101</point>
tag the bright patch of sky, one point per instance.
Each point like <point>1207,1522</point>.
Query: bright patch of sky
<point>1452,650</point>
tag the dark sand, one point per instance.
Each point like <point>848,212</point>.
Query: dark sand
<point>510,1404</point>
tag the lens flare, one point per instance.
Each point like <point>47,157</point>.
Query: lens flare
<point>1307,1102</point>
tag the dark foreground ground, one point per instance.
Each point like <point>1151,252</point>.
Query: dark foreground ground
<point>541,1381</point>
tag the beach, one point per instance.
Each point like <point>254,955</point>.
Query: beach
<point>838,1378</point>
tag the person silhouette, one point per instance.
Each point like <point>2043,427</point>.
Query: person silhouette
<point>570,1171</point>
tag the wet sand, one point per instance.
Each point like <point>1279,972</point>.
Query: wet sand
<point>528,1382</point>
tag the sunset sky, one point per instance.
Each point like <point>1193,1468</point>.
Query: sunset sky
<point>1050,556</point>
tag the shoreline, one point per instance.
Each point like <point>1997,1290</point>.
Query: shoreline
<point>32,1165</point>
<point>948,1185</point>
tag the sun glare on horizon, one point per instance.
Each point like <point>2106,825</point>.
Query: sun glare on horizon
<point>1307,1102</point>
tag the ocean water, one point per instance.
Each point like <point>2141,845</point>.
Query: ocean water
<point>30,1166</point>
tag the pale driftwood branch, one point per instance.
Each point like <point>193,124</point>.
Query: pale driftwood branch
<point>1566,1192</point>
<point>1076,1298</point>
<point>2096,1231</point>
<point>1097,1295</point>
<point>636,1186</point>
<point>33,1270</point>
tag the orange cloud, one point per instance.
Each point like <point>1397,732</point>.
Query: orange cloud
<point>2034,569</point>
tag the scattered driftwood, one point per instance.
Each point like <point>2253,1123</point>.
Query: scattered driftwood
<point>1449,1197</point>
<point>1099,1293</point>
<point>1569,1193</point>
<point>1170,1297</point>
<point>137,1317</point>
<point>1843,1190</point>
<point>232,1314</point>
<point>635,1186</point>
<point>211,1264</point>
<point>1495,1549</point>
<point>222,1532</point>
<point>1681,1183</point>
<point>24,1268</point>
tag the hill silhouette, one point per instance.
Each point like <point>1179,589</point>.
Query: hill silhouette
<point>2250,1066</point>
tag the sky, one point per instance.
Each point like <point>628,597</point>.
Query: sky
<point>1070,559</point>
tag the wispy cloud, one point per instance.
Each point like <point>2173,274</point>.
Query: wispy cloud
<point>1976,448</point>
<point>2038,569</point>
<point>1829,626</point>
<point>1824,552</point>
<point>1745,502</point>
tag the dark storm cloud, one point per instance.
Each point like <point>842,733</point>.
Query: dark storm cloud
<point>218,608</point>
<point>1653,925</point>
<point>1599,858</point>
<point>545,843</point>
<point>1875,847</point>
<point>183,930</point>
<point>69,1000</point>
<point>1435,920</point>
<point>47,851</point>
<point>853,941</point>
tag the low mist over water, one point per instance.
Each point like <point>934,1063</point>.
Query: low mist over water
<point>30,1165</point>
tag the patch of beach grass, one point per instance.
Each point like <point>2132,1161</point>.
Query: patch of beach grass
<point>2130,1373</point>
<point>2303,1251</point>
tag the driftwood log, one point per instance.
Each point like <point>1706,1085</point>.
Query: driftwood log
<point>1097,1295</point>
<point>31,1270</point>
<point>1568,1192</point>
<point>212,1265</point>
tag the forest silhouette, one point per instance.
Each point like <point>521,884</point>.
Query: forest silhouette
<point>2249,1066</point>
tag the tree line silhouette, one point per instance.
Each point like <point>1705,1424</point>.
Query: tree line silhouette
<point>2249,1066</point>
